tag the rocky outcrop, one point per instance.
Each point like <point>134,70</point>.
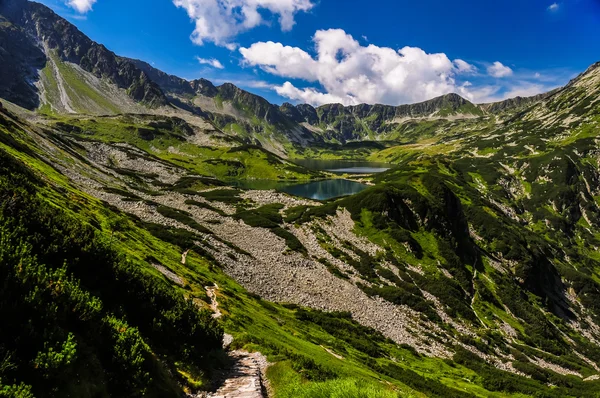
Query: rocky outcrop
<point>346,123</point>
<point>174,85</point>
<point>20,60</point>
<point>291,112</point>
<point>308,113</point>
<point>252,104</point>
<point>28,24</point>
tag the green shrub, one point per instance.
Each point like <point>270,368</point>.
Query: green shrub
<point>82,319</point>
<point>342,326</point>
<point>229,196</point>
<point>268,216</point>
<point>183,217</point>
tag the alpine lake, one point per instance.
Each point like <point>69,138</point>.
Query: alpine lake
<point>322,189</point>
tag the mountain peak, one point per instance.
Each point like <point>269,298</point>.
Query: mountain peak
<point>44,39</point>
<point>593,66</point>
<point>454,97</point>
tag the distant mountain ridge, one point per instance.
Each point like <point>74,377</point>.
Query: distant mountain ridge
<point>49,62</point>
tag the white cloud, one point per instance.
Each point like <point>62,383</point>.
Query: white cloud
<point>554,7</point>
<point>342,70</point>
<point>497,69</point>
<point>350,73</point>
<point>464,66</point>
<point>212,62</point>
<point>81,6</point>
<point>246,83</point>
<point>525,89</point>
<point>520,88</point>
<point>219,21</point>
<point>310,95</point>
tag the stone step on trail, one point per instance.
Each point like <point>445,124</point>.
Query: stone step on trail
<point>244,381</point>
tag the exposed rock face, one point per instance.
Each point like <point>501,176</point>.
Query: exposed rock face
<point>451,103</point>
<point>251,103</point>
<point>175,85</point>
<point>204,87</point>
<point>241,107</point>
<point>27,24</point>
<point>256,105</point>
<point>346,123</point>
<point>291,112</point>
<point>308,113</point>
<point>20,60</point>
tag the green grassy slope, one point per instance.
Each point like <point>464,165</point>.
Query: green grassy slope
<point>172,140</point>
<point>81,318</point>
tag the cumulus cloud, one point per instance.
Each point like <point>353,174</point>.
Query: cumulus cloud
<point>245,83</point>
<point>525,89</point>
<point>497,69</point>
<point>81,6</point>
<point>553,7</point>
<point>211,62</point>
<point>310,95</point>
<point>350,73</point>
<point>519,88</point>
<point>219,21</point>
<point>464,66</point>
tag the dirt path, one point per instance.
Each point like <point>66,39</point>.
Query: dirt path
<point>214,304</point>
<point>331,352</point>
<point>245,379</point>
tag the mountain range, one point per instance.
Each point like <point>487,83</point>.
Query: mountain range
<point>81,76</point>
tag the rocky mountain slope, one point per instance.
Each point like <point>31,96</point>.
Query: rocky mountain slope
<point>35,25</point>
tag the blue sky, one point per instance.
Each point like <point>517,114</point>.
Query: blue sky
<point>380,51</point>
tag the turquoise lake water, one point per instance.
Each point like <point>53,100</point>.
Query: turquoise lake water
<point>323,189</point>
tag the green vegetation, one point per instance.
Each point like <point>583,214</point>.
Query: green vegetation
<point>81,93</point>
<point>293,387</point>
<point>193,184</point>
<point>229,196</point>
<point>182,217</point>
<point>164,138</point>
<point>268,216</point>
<point>83,319</point>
